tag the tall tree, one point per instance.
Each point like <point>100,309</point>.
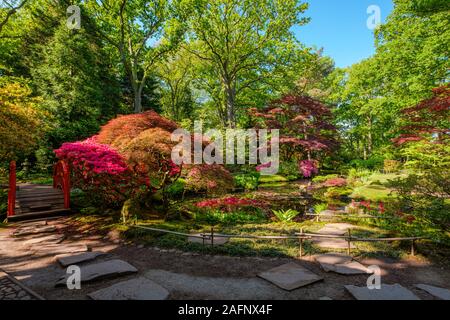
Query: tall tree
<point>240,40</point>
<point>141,32</point>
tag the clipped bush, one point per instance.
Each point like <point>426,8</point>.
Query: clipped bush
<point>248,181</point>
<point>211,179</point>
<point>391,166</point>
<point>124,128</point>
<point>320,179</point>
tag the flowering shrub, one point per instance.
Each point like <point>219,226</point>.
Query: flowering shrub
<point>122,129</point>
<point>213,179</point>
<point>231,201</point>
<point>308,168</point>
<point>99,170</point>
<point>335,182</point>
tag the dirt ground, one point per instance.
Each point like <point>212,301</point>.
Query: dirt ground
<point>37,269</point>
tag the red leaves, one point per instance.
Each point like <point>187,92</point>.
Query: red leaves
<point>428,120</point>
<point>335,182</point>
<point>308,168</point>
<point>226,204</point>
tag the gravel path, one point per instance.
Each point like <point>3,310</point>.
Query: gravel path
<point>35,267</point>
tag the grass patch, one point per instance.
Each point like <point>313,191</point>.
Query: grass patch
<point>372,192</point>
<point>272,179</point>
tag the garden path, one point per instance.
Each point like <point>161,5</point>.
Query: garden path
<point>180,272</point>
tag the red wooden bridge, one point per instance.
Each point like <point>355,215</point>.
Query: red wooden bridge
<point>30,201</point>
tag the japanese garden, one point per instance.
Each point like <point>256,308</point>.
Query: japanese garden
<point>304,166</point>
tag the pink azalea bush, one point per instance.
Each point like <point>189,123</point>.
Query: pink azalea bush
<point>100,171</point>
<point>335,182</point>
<point>308,168</point>
<point>227,204</point>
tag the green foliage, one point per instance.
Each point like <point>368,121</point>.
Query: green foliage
<point>390,166</point>
<point>214,217</point>
<point>290,170</point>
<point>320,179</point>
<point>176,189</point>
<point>318,208</point>
<point>426,197</point>
<point>248,181</point>
<point>285,215</point>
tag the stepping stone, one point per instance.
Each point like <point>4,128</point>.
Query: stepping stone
<point>33,230</point>
<point>101,270</point>
<point>67,260</point>
<point>54,239</point>
<point>440,293</point>
<point>387,292</point>
<point>341,264</point>
<point>329,243</point>
<point>290,276</point>
<point>218,240</point>
<point>325,298</point>
<point>61,248</point>
<point>134,289</point>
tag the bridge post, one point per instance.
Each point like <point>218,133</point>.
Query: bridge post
<point>66,182</point>
<point>12,189</point>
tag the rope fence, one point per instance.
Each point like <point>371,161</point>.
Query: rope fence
<point>300,236</point>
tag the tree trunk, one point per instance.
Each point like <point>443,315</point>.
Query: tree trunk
<point>369,136</point>
<point>230,95</point>
<point>137,101</point>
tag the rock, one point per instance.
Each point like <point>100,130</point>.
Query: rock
<point>218,240</point>
<point>67,260</point>
<point>325,298</point>
<point>440,293</point>
<point>100,270</point>
<point>330,243</point>
<point>141,246</point>
<point>290,276</point>
<point>134,289</point>
<point>217,288</point>
<point>341,264</point>
<point>387,292</point>
<point>61,248</point>
<point>55,239</point>
<point>25,231</point>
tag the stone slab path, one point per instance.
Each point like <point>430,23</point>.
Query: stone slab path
<point>441,293</point>
<point>69,259</point>
<point>333,229</point>
<point>217,239</point>
<point>290,276</point>
<point>340,263</point>
<point>11,289</point>
<point>387,292</point>
<point>134,289</point>
<point>216,288</point>
<point>101,270</point>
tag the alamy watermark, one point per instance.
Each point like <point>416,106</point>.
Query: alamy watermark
<point>374,20</point>
<point>74,18</point>
<point>73,280</point>
<point>263,147</point>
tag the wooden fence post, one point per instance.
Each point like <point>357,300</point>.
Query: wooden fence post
<point>348,241</point>
<point>12,189</point>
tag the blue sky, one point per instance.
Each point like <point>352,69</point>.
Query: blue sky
<point>339,26</point>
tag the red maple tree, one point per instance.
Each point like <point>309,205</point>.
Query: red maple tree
<point>305,125</point>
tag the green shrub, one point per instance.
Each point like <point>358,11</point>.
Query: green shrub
<point>372,163</point>
<point>318,208</point>
<point>248,181</point>
<point>177,188</point>
<point>285,215</point>
<point>426,197</point>
<point>320,179</point>
<point>391,166</point>
<point>290,170</point>
<point>213,217</point>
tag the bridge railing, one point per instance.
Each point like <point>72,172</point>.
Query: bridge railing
<point>12,189</point>
<point>61,180</point>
